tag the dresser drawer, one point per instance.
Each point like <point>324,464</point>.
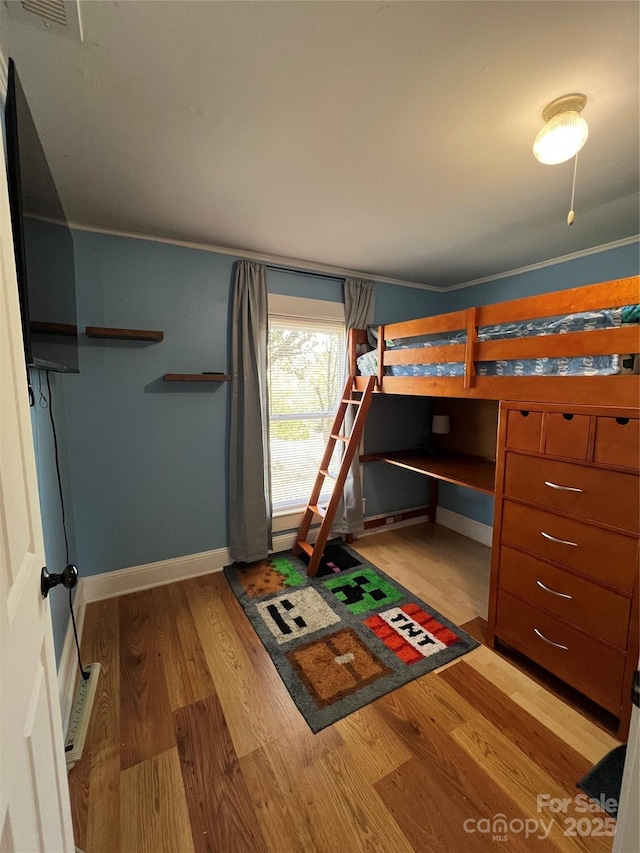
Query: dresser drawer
<point>618,442</point>
<point>610,497</point>
<point>584,662</point>
<point>524,429</point>
<point>567,435</point>
<point>597,611</point>
<point>597,553</point>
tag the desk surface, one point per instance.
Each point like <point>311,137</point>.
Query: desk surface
<point>459,468</point>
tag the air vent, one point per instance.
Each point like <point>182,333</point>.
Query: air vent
<point>48,10</point>
<point>59,16</point>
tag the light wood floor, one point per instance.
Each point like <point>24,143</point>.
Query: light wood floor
<point>195,745</point>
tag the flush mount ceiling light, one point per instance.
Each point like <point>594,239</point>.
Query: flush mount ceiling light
<point>565,131</point>
<point>564,134</point>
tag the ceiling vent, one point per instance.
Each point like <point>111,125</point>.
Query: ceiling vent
<point>59,16</point>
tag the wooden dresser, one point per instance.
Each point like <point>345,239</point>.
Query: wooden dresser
<point>564,575</point>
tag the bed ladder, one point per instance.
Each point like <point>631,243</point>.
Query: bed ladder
<point>351,442</point>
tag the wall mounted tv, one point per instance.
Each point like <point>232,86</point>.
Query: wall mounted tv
<point>42,242</point>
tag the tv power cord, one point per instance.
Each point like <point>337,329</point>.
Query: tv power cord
<point>69,579</point>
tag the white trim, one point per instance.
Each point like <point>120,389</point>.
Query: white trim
<point>307,308</point>
<point>296,264</point>
<point>394,525</point>
<point>466,526</point>
<point>286,520</point>
<point>136,578</point>
<point>67,669</point>
<point>302,266</point>
<point>584,253</point>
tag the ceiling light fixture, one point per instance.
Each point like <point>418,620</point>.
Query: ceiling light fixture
<point>565,131</point>
<point>564,134</point>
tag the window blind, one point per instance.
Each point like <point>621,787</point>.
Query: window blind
<point>306,377</point>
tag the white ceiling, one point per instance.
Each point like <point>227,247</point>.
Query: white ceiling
<point>391,138</point>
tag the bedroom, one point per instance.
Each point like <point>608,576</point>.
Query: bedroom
<point>134,454</point>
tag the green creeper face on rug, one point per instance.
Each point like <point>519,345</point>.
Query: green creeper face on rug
<point>362,591</point>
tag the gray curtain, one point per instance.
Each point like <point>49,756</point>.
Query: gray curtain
<point>249,477</point>
<point>359,306</point>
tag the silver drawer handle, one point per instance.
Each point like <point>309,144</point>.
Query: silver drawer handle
<point>554,591</point>
<point>551,643</point>
<point>561,541</point>
<point>562,488</point>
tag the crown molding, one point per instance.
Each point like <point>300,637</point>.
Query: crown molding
<point>302,266</point>
<point>296,264</point>
<point>594,250</point>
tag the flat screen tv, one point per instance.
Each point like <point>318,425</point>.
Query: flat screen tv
<point>42,242</point>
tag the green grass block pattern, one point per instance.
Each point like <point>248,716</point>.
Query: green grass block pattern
<point>291,576</point>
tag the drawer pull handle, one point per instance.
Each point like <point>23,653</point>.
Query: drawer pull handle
<point>547,640</point>
<point>562,488</point>
<point>561,541</point>
<point>554,591</point>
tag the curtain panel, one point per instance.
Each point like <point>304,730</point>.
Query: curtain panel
<point>359,307</point>
<point>249,476</point>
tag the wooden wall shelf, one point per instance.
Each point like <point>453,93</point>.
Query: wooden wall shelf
<point>124,334</point>
<point>197,377</point>
<point>64,329</point>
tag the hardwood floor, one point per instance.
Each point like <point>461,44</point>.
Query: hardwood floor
<point>195,745</point>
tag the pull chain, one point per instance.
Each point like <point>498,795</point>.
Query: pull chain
<point>572,213</point>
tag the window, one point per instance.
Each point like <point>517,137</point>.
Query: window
<point>306,377</point>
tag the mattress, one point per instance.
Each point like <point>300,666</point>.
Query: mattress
<point>596,365</point>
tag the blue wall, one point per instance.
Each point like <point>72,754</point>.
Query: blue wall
<point>602,266</point>
<point>148,459</point>
<point>50,508</point>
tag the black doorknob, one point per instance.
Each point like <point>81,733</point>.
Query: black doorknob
<point>68,578</point>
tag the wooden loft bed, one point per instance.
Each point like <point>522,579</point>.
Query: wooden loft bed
<point>565,472</point>
<point>614,390</point>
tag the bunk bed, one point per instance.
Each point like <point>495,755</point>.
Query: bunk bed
<point>564,573</point>
<point>560,347</point>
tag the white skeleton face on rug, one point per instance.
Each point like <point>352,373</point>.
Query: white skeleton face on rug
<point>294,614</point>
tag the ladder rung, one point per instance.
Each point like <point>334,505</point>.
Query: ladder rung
<point>340,437</point>
<point>318,510</point>
<point>308,549</point>
<point>353,402</point>
<point>328,474</point>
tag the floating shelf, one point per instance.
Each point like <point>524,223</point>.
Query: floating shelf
<point>124,334</point>
<point>197,377</point>
<point>53,329</point>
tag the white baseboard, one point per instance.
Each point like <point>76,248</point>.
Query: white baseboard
<point>467,526</point>
<point>68,666</point>
<point>137,578</point>
<point>394,525</point>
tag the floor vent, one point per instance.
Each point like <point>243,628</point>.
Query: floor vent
<point>80,715</point>
<point>60,16</point>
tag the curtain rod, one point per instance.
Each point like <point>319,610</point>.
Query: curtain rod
<point>305,272</point>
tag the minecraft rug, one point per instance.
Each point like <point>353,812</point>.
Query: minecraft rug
<point>342,640</point>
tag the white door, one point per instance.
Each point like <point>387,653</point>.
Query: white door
<point>35,813</point>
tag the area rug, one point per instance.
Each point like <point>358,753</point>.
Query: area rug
<point>344,639</point>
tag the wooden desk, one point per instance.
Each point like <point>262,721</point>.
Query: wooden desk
<point>459,468</point>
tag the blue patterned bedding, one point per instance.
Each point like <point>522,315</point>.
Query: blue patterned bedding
<point>597,365</point>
